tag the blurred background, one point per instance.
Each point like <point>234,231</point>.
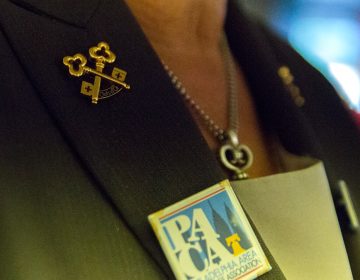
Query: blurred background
<point>325,32</point>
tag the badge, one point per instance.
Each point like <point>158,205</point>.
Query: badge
<point>207,236</point>
<point>101,54</point>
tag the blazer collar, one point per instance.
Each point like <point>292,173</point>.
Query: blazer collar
<point>142,149</point>
<point>276,109</point>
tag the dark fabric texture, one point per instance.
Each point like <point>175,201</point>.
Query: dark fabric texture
<point>79,180</point>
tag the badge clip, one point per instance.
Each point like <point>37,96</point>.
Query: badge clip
<point>102,55</point>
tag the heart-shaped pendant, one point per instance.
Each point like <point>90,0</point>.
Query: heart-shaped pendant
<point>236,157</point>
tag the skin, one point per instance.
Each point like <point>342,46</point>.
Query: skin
<point>186,35</point>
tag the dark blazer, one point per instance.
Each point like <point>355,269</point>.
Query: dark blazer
<point>78,180</point>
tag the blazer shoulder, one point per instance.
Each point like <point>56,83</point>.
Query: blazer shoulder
<point>76,13</point>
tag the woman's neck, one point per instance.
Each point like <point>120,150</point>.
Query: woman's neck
<point>187,36</point>
<point>180,27</point>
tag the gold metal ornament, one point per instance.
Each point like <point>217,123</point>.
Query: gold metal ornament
<point>101,54</point>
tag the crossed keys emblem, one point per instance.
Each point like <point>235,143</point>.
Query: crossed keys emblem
<point>101,54</point>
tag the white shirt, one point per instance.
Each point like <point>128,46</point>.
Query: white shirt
<point>295,215</point>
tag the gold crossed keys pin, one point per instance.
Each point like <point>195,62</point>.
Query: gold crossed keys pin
<point>101,54</point>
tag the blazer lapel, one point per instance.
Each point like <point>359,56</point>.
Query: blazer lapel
<point>277,111</point>
<point>142,148</point>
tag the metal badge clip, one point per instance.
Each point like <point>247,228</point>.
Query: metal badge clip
<point>346,201</point>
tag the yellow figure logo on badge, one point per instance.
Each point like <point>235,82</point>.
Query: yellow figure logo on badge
<point>234,242</point>
<point>201,232</point>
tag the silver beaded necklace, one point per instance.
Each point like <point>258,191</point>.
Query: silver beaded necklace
<point>235,157</point>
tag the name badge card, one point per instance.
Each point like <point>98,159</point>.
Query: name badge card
<point>207,236</point>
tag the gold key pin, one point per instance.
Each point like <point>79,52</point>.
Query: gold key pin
<point>102,55</point>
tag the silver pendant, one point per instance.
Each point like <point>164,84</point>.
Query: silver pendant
<point>236,157</point>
